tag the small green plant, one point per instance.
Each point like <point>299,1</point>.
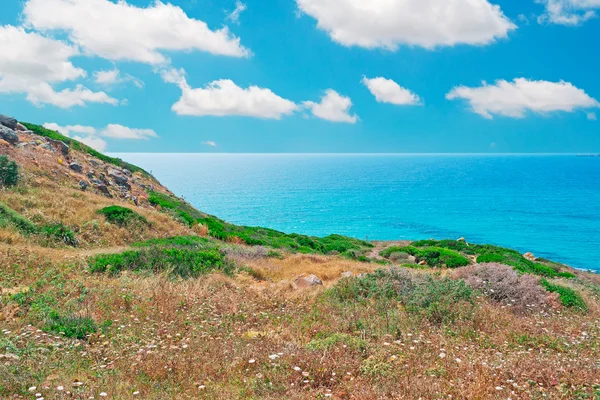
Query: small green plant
<point>327,342</point>
<point>69,325</point>
<point>9,172</point>
<point>121,216</point>
<point>568,297</point>
<point>60,233</point>
<point>11,217</point>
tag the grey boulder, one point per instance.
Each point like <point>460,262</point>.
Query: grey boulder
<point>8,135</point>
<point>76,167</point>
<point>8,122</point>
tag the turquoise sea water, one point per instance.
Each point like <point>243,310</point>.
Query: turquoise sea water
<point>549,205</point>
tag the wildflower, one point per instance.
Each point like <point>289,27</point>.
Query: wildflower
<point>31,389</point>
<point>252,361</point>
<point>442,355</point>
<point>201,387</point>
<point>136,393</point>
<point>297,369</point>
<point>458,360</point>
<point>103,394</point>
<point>273,356</point>
<point>60,388</point>
<point>305,374</point>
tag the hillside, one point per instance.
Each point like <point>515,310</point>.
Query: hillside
<point>113,287</point>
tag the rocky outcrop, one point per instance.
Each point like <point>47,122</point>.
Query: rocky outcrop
<point>8,135</point>
<point>8,122</point>
<point>83,185</point>
<point>75,166</point>
<point>118,176</point>
<point>530,256</point>
<point>61,146</point>
<point>307,281</point>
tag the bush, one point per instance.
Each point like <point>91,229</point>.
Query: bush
<point>9,172</point>
<point>121,216</point>
<point>182,262</point>
<point>11,217</point>
<point>438,300</point>
<point>502,284</point>
<point>433,256</point>
<point>60,233</point>
<point>568,297</point>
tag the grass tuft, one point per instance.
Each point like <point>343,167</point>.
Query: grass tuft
<point>122,216</point>
<point>568,297</point>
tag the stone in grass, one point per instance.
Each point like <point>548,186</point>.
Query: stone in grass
<point>8,122</point>
<point>76,167</point>
<point>307,281</point>
<point>8,135</point>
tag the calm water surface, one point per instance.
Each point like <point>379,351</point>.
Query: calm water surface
<point>549,205</point>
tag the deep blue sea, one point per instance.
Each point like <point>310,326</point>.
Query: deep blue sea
<point>546,204</point>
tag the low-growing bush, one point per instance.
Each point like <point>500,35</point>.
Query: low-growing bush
<point>10,217</point>
<point>568,297</point>
<point>182,262</point>
<point>61,234</point>
<point>502,284</point>
<point>438,300</point>
<point>70,326</point>
<point>9,172</point>
<point>326,342</point>
<point>433,256</point>
<point>121,216</point>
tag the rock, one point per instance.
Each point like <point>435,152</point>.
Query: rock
<point>96,163</point>
<point>83,185</point>
<point>22,128</point>
<point>347,274</point>
<point>462,239</point>
<point>76,167</point>
<point>91,175</point>
<point>411,260</point>
<point>530,256</point>
<point>423,262</point>
<point>135,200</point>
<point>104,190</point>
<point>118,176</point>
<point>8,122</point>
<point>48,146</point>
<point>303,281</point>
<point>8,135</point>
<point>62,146</point>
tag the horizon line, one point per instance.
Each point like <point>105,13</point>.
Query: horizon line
<point>359,154</point>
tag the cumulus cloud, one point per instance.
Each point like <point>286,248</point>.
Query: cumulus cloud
<point>234,16</point>
<point>223,97</point>
<point>388,91</point>
<point>114,77</point>
<point>426,23</point>
<point>117,131</point>
<point>210,143</point>
<point>70,129</point>
<point>95,143</point>
<point>333,107</point>
<point>120,31</point>
<point>515,99</point>
<point>568,12</point>
<point>31,63</point>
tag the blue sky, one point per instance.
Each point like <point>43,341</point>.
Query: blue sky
<point>295,52</point>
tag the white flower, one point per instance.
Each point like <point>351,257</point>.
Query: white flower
<point>442,355</point>
<point>458,360</point>
<point>103,394</point>
<point>252,361</point>
<point>60,388</point>
<point>31,389</point>
<point>297,369</point>
<point>273,356</point>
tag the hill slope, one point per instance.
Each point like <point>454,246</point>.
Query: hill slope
<point>113,287</point>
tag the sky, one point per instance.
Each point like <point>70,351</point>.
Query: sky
<point>331,76</point>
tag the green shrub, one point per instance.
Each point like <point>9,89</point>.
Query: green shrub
<point>434,256</point>
<point>69,325</point>
<point>180,241</point>
<point>76,145</point>
<point>121,216</point>
<point>9,172</point>
<point>182,262</point>
<point>438,300</point>
<point>11,217</point>
<point>60,233</point>
<point>327,342</point>
<point>568,297</point>
<point>180,208</point>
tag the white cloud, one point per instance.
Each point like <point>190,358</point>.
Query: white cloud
<point>210,143</point>
<point>568,12</point>
<point>70,129</point>
<point>31,64</point>
<point>114,77</point>
<point>234,16</point>
<point>425,23</point>
<point>117,131</point>
<point>120,31</point>
<point>515,99</point>
<point>94,142</point>
<point>592,116</point>
<point>333,107</point>
<point>388,91</point>
<point>224,98</point>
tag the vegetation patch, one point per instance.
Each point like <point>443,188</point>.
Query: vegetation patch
<point>494,254</point>
<point>60,233</point>
<point>568,297</point>
<point>76,145</point>
<point>122,216</point>
<point>9,172</point>
<point>438,300</point>
<point>327,342</point>
<point>9,217</point>
<point>433,256</point>
<point>181,262</point>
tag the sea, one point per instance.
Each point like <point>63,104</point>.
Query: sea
<point>545,204</point>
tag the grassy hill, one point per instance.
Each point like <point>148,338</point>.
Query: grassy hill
<point>113,287</point>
